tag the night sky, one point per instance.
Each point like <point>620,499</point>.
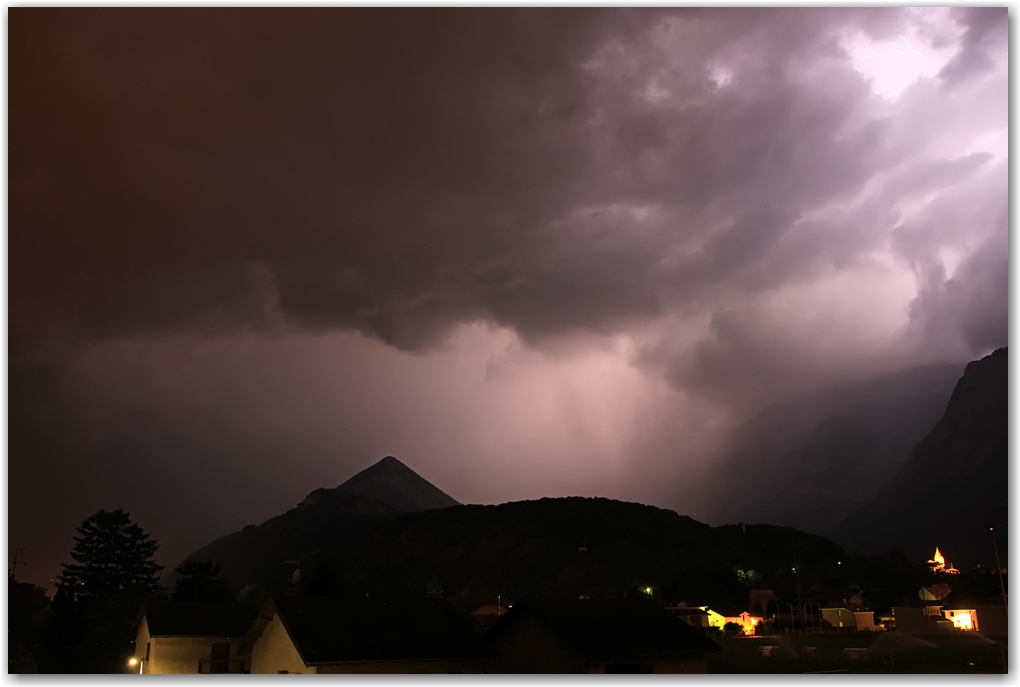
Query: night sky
<point>528,252</point>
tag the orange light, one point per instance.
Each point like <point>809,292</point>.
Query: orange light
<point>132,661</point>
<point>963,620</point>
<point>938,564</point>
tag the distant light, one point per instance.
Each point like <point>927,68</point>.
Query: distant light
<point>839,562</point>
<point>132,661</point>
<point>648,590</point>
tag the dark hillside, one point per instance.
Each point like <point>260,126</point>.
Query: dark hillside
<point>810,463</point>
<point>955,483</point>
<point>568,547</point>
<point>268,554</point>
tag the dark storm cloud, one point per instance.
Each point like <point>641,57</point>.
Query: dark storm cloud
<point>365,143</point>
<point>971,303</point>
<point>388,169</point>
<point>983,43</point>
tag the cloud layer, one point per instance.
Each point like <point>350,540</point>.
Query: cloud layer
<point>632,227</point>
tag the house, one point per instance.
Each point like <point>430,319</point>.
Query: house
<point>986,617</point>
<point>865,620</point>
<point>937,609</point>
<point>849,616</point>
<point>916,617</point>
<point>839,616</point>
<point>920,617</point>
<point>178,637</point>
<point>597,636</point>
<point>990,618</point>
<point>722,617</point>
<point>364,635</point>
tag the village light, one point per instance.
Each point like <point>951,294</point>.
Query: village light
<point>132,661</point>
<point>963,621</point>
<point>938,564</point>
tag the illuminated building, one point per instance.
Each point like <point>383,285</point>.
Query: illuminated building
<point>922,618</point>
<point>963,619</point>
<point>938,564</point>
<point>182,638</point>
<point>746,621</point>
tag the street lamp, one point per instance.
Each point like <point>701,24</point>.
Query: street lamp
<point>136,662</point>
<point>995,545</point>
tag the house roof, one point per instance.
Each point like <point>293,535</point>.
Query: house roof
<point>680,610</point>
<point>192,619</point>
<point>490,609</point>
<point>329,630</point>
<point>600,628</point>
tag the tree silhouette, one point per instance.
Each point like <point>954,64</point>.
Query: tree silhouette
<point>112,555</point>
<point>198,581</point>
<point>91,625</point>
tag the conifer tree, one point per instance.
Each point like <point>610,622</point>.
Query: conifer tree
<point>112,555</point>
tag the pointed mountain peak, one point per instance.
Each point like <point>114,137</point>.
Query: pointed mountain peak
<point>396,485</point>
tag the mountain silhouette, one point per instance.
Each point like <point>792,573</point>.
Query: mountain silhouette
<point>811,462</point>
<point>268,554</point>
<point>955,483</point>
<point>391,482</point>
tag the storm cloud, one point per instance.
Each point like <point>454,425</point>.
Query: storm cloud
<point>528,251</point>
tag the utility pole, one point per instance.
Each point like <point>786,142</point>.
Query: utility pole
<point>1002,585</point>
<point>14,565</point>
<point>800,603</point>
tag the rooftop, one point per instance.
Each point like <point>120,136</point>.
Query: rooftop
<point>192,619</point>
<point>338,630</point>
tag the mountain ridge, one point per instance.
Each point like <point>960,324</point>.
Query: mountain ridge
<point>810,462</point>
<point>325,519</point>
<point>955,481</point>
<point>391,482</point>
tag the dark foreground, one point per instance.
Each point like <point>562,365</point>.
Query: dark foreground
<point>950,653</point>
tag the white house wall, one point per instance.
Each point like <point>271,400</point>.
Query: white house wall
<point>274,651</point>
